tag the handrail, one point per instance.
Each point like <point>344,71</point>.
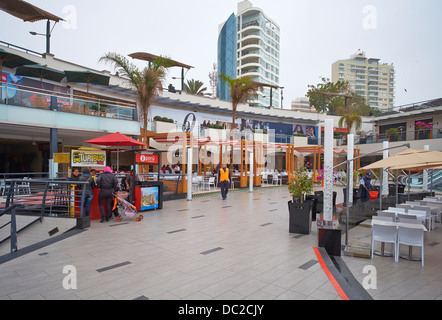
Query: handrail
<point>13,222</point>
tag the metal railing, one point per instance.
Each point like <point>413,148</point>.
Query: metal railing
<point>13,223</point>
<point>56,198</point>
<point>29,97</point>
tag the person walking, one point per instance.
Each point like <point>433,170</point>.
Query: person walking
<point>364,187</point>
<point>224,178</point>
<point>131,178</point>
<point>107,183</point>
<point>89,192</point>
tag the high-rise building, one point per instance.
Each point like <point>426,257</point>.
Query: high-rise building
<point>369,78</point>
<point>248,45</point>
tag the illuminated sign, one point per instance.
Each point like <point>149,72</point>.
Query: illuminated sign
<point>146,158</point>
<point>88,158</point>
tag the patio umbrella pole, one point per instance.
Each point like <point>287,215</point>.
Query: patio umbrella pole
<point>397,188</point>
<point>409,182</point>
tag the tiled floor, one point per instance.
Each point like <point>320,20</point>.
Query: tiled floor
<point>205,249</point>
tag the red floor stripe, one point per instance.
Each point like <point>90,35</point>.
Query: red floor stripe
<point>332,279</point>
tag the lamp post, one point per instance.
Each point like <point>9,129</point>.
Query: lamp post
<point>47,35</point>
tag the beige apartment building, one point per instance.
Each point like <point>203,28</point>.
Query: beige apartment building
<point>368,78</point>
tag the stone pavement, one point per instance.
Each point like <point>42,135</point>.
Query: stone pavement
<point>205,249</point>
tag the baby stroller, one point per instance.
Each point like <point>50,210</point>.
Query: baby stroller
<point>125,208</point>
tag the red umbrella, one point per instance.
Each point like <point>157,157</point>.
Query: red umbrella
<point>118,140</point>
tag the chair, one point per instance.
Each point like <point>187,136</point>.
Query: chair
<point>389,214</point>
<point>394,209</point>
<point>405,206</point>
<point>276,179</point>
<point>430,216</point>
<point>40,103</point>
<point>383,218</point>
<point>412,237</point>
<point>211,182</point>
<point>409,220</point>
<point>75,107</point>
<point>422,215</point>
<point>264,178</point>
<point>66,109</point>
<point>406,216</point>
<point>384,234</point>
<point>196,183</point>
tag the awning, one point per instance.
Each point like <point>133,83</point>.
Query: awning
<point>26,11</point>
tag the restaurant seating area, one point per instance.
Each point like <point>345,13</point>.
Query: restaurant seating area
<point>406,224</point>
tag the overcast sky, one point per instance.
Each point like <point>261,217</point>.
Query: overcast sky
<point>314,34</point>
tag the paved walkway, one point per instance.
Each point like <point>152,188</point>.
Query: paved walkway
<point>206,249</point>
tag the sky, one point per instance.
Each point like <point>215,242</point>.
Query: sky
<point>314,35</point>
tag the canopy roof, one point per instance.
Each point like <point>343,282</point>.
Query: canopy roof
<point>26,11</point>
<point>410,159</point>
<point>116,139</point>
<point>151,57</point>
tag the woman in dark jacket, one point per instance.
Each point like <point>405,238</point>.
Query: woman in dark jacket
<point>107,183</point>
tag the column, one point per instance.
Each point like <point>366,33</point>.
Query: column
<point>328,170</point>
<point>350,167</point>
<point>385,171</point>
<point>53,148</point>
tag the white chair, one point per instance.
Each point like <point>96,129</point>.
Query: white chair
<point>384,234</point>
<point>408,220</point>
<point>430,216</point>
<point>276,179</point>
<point>412,237</point>
<point>264,178</point>
<point>422,215</point>
<point>405,206</point>
<point>395,209</point>
<point>383,218</point>
<point>195,183</point>
<point>211,182</point>
<point>406,216</point>
<point>389,214</point>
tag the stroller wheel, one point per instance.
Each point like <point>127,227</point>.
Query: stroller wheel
<point>141,217</point>
<point>119,219</point>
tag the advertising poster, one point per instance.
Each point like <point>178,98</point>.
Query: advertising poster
<point>88,158</point>
<point>149,198</point>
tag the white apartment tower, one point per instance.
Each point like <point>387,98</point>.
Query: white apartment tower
<point>248,45</point>
<point>369,78</point>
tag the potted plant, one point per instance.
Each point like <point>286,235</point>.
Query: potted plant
<point>300,186</point>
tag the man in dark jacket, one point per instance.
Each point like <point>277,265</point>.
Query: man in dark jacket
<point>107,183</point>
<point>89,192</point>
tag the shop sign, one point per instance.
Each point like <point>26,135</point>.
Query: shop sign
<point>4,77</point>
<point>146,158</point>
<point>61,158</point>
<point>88,158</point>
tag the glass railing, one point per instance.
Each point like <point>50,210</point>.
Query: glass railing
<point>427,134</point>
<point>41,99</point>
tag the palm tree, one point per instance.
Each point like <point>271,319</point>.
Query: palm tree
<point>241,90</point>
<point>195,87</point>
<point>148,82</point>
<point>349,120</point>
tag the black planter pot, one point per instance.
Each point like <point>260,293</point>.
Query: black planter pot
<point>300,217</point>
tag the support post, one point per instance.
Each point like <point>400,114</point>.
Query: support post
<point>328,170</point>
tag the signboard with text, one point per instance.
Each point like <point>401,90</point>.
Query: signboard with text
<point>88,158</point>
<point>146,158</point>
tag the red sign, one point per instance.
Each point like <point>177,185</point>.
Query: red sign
<point>4,77</point>
<point>146,158</point>
<point>338,130</point>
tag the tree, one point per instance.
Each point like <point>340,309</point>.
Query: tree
<point>148,82</point>
<point>195,87</point>
<point>241,90</point>
<point>335,104</point>
<point>349,120</point>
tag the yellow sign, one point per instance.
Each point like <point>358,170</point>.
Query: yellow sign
<point>61,158</point>
<point>88,158</point>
